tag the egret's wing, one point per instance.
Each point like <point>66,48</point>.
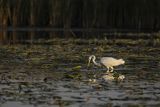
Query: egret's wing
<point>108,61</point>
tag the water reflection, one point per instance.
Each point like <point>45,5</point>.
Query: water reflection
<point>81,92</point>
<point>110,76</point>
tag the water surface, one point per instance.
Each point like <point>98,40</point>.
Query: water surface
<point>57,75</point>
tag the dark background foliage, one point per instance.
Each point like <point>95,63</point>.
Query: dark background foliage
<point>138,15</point>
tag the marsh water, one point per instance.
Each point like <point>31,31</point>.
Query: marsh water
<point>55,74</point>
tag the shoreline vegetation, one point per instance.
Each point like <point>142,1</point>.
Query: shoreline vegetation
<point>43,37</point>
<point>108,16</point>
<point>144,39</point>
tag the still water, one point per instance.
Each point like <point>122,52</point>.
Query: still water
<point>56,75</point>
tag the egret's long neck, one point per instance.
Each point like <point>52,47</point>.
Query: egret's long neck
<point>94,58</point>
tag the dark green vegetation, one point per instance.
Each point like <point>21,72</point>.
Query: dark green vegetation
<point>87,15</point>
<point>56,73</point>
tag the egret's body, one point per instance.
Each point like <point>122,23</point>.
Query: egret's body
<point>108,62</point>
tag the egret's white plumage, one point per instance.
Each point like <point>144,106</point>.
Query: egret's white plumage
<point>108,62</point>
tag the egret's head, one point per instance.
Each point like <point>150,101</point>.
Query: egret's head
<point>89,60</point>
<point>121,61</point>
<point>93,58</point>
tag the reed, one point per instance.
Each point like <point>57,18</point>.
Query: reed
<point>140,15</point>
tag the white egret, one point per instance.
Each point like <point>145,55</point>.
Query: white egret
<point>108,62</point>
